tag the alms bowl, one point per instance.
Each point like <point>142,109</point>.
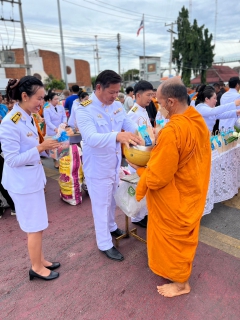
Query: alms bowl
<point>138,155</point>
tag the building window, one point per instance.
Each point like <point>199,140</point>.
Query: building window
<point>69,70</point>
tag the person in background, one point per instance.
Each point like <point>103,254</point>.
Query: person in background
<point>10,104</point>
<point>231,95</point>
<point>101,121</point>
<point>153,107</point>
<point>66,94</point>
<point>23,173</point>
<point>3,108</point>
<point>121,98</point>
<point>128,102</point>
<point>54,115</point>
<point>138,114</point>
<point>83,96</point>
<point>219,94</point>
<point>70,99</point>
<point>205,105</point>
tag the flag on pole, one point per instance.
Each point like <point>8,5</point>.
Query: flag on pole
<point>140,27</point>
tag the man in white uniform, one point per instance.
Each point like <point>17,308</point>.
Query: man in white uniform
<point>143,91</point>
<point>230,96</point>
<point>100,121</point>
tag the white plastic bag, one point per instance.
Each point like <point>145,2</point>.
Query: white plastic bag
<point>126,200</point>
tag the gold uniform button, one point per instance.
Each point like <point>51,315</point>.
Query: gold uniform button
<point>111,119</point>
<point>117,152</point>
<point>112,130</point>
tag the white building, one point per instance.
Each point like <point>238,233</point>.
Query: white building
<point>152,68</point>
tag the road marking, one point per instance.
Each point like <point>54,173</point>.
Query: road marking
<point>220,241</point>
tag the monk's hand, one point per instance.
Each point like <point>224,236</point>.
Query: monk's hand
<point>134,166</point>
<point>128,138</point>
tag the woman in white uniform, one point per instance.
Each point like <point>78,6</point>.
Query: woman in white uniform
<point>23,174</point>
<point>54,115</point>
<point>205,105</point>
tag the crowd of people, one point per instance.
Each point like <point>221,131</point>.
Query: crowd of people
<point>175,188</point>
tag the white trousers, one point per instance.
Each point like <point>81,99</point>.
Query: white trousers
<point>103,208</point>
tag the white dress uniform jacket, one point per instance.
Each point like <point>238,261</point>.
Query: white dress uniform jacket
<point>210,115</point>
<point>230,96</point>
<point>54,118</point>
<point>19,139</point>
<point>99,125</point>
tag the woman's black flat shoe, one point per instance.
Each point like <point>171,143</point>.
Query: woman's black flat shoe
<point>53,275</point>
<point>54,266</point>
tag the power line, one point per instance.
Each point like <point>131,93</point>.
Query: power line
<point>126,11</point>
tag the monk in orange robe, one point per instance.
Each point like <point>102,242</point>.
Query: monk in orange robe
<point>175,183</point>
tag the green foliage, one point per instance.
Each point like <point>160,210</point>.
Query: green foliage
<point>192,51</point>
<point>93,80</point>
<point>52,83</point>
<point>131,75</point>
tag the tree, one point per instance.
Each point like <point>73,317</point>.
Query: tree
<point>53,83</point>
<point>131,75</point>
<point>192,51</point>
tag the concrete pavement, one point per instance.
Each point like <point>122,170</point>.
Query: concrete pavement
<point>91,286</point>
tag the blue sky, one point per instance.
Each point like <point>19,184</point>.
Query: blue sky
<point>83,19</point>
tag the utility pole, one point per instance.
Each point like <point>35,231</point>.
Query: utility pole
<point>19,3</point>
<point>62,45</point>
<point>119,52</point>
<point>190,11</point>
<point>171,41</point>
<point>97,56</point>
<point>144,54</point>
<point>24,38</point>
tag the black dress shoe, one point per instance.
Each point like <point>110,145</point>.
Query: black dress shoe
<point>142,223</point>
<point>113,254</point>
<point>117,233</point>
<point>54,266</point>
<point>53,275</point>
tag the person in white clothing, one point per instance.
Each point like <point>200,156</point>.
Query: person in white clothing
<point>231,95</point>
<point>23,174</point>
<point>101,121</point>
<point>205,105</point>
<point>54,115</point>
<point>128,102</point>
<point>143,91</point>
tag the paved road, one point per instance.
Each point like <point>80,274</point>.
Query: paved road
<point>93,287</point>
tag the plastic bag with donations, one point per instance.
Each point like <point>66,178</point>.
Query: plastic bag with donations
<point>63,138</point>
<point>126,200</point>
<point>71,176</point>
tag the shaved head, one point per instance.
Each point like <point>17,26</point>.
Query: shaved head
<point>173,88</point>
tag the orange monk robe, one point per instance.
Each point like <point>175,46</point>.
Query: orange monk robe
<point>175,183</point>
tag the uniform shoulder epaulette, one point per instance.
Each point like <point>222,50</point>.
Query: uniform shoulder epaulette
<point>117,99</point>
<point>86,103</point>
<point>16,117</point>
<point>134,109</point>
<point>47,106</point>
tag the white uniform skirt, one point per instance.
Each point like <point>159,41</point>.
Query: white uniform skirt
<point>31,210</point>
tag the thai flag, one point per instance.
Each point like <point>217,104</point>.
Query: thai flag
<point>140,27</point>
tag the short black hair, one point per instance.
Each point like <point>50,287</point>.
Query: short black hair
<point>28,84</point>
<point>50,96</point>
<point>175,90</point>
<point>154,90</point>
<point>75,88</point>
<point>129,89</point>
<point>83,94</point>
<point>233,82</point>
<point>142,86</point>
<point>217,85</point>
<point>107,77</point>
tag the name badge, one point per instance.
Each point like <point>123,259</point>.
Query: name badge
<point>29,134</point>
